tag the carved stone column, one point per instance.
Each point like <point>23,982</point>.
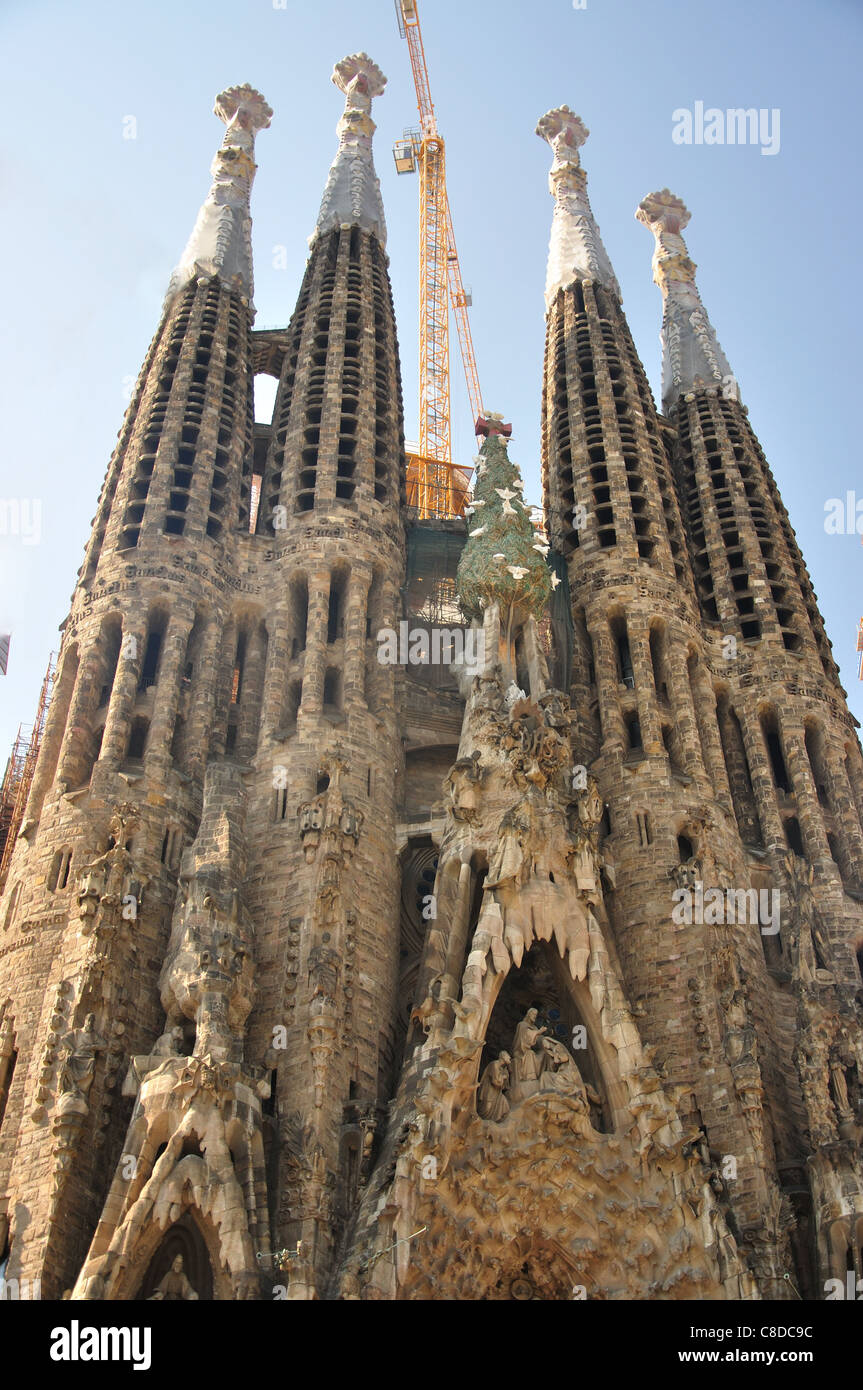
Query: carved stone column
<point>605,661</point>
<point>167,697</point>
<point>763,785</point>
<point>199,727</point>
<point>355,636</point>
<point>121,708</point>
<point>79,728</point>
<point>316,642</point>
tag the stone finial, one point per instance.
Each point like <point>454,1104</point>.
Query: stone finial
<point>244,107</point>
<point>564,131</point>
<point>691,355</point>
<point>352,196</point>
<point>666,215</point>
<point>576,251</point>
<point>221,241</point>
<point>358,74</point>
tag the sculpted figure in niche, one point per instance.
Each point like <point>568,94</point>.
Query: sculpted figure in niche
<point>508,858</point>
<point>839,1084</point>
<point>689,874</point>
<point>491,1102</point>
<point>527,1060</point>
<point>351,821</point>
<point>79,1064</point>
<point>560,1074</point>
<point>463,780</point>
<point>554,706</point>
<point>174,1287</point>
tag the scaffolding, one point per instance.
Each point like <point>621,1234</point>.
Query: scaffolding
<point>438,490</point>
<point>18,776</point>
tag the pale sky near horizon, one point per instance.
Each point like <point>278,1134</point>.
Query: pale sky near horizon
<point>94,223</point>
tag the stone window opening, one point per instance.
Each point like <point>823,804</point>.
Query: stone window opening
<point>794,836</point>
<point>96,749</point>
<point>299,615</point>
<point>633,732</point>
<point>137,739</point>
<point>685,849</point>
<point>152,652</point>
<point>335,614</point>
<point>270,1104</point>
<point>522,670</point>
<point>657,659</point>
<point>178,742</point>
<point>58,877</point>
<point>295,699</point>
<point>625,672</point>
<point>110,639</point>
<point>280,804</point>
<point>332,691</point>
<point>645,831</point>
<point>775,752</point>
<point>237,673</point>
<point>172,847</point>
<point>814,740</point>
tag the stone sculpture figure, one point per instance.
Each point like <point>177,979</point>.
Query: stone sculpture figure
<point>174,1287</point>
<point>560,1073</point>
<point>839,1085</point>
<point>79,1066</point>
<point>492,1104</point>
<point>527,1060</point>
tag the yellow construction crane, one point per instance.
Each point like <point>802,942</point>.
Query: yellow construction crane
<point>435,486</point>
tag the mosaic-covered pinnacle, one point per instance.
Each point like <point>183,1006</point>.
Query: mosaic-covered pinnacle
<point>576,251</point>
<point>691,355</point>
<point>500,563</point>
<point>221,242</point>
<point>352,196</point>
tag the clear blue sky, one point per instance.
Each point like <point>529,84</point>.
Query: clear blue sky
<point>93,223</point>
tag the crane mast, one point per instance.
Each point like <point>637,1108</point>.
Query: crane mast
<point>435,486</point>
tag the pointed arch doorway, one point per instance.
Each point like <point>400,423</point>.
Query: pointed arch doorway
<point>183,1238</point>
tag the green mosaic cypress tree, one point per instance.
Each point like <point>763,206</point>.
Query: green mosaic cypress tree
<point>502,539</point>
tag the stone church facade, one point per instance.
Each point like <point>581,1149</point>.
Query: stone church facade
<point>536,975</point>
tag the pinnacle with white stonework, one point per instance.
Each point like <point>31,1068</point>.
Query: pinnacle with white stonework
<point>691,355</point>
<point>221,242</point>
<point>576,251</point>
<point>352,196</point>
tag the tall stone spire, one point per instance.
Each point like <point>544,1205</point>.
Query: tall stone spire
<point>221,242</point>
<point>691,355</point>
<point>352,196</point>
<point>576,251</point>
